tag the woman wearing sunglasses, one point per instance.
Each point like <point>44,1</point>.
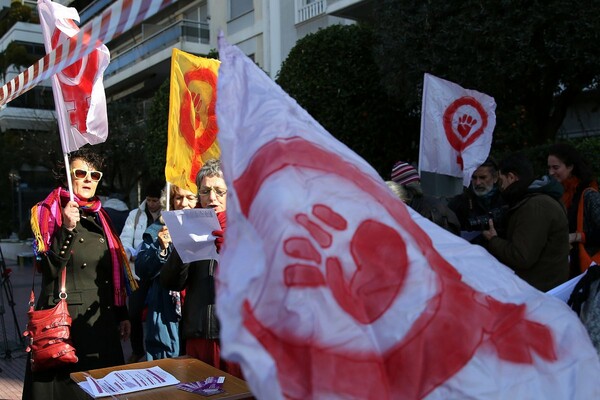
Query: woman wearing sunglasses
<point>78,233</point>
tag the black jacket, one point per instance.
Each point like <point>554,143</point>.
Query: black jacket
<point>90,299</point>
<point>199,319</point>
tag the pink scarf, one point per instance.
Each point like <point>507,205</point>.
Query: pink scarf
<point>46,220</point>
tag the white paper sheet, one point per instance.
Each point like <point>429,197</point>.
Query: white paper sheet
<point>127,381</point>
<point>191,230</point>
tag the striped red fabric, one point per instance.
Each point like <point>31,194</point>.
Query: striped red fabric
<point>101,28</point>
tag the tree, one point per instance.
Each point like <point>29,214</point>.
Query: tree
<point>535,58</point>
<point>124,148</point>
<point>156,143</point>
<point>333,74</point>
<point>16,55</point>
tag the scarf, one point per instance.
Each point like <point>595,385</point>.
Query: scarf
<point>46,220</point>
<point>570,185</point>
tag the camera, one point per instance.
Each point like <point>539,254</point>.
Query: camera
<point>481,222</point>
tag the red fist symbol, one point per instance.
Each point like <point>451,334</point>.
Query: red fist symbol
<point>465,124</point>
<point>375,283</point>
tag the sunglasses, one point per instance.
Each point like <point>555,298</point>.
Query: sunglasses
<point>85,174</point>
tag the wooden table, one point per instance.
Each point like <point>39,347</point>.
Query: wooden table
<point>185,369</point>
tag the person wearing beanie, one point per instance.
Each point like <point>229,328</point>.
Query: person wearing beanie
<point>136,224</point>
<point>433,209</point>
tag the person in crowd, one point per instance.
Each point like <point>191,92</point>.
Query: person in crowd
<point>164,306</point>
<point>78,234</point>
<point>535,244</point>
<point>430,207</point>
<point>567,165</point>
<point>199,323</point>
<point>480,198</point>
<point>117,211</point>
<point>136,224</point>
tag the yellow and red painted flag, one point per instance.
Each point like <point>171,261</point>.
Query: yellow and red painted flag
<point>193,126</point>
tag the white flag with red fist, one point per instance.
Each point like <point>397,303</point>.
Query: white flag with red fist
<point>78,89</point>
<point>329,287</point>
<point>456,128</point>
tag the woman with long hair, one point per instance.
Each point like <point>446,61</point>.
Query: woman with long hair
<point>582,201</point>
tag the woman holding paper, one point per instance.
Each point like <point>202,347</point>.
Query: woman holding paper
<point>164,306</point>
<point>199,324</point>
<point>78,233</point>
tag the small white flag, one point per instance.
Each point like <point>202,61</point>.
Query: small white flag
<point>456,128</point>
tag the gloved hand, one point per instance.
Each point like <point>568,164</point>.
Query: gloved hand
<point>219,239</point>
<point>222,217</point>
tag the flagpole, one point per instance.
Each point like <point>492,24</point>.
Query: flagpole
<point>68,173</point>
<point>168,196</point>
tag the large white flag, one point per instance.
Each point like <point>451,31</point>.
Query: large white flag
<point>456,128</point>
<point>78,89</point>
<point>330,287</point>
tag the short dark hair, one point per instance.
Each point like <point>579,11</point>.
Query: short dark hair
<point>85,154</point>
<point>154,189</point>
<point>490,162</point>
<point>518,164</point>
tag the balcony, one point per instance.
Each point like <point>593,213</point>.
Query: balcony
<point>93,10</point>
<point>356,10</point>
<point>308,9</point>
<point>183,31</point>
<point>141,68</point>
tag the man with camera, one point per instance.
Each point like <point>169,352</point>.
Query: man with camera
<point>482,197</point>
<point>535,244</point>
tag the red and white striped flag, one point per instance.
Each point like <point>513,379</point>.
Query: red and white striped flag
<point>78,89</point>
<point>456,128</point>
<point>329,287</point>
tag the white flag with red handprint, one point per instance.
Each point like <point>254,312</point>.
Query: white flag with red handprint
<point>456,128</point>
<point>78,89</point>
<point>330,287</point>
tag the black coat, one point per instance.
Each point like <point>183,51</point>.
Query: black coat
<point>90,298</point>
<point>199,318</point>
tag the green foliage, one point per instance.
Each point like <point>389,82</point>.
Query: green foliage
<point>334,76</point>
<point>17,13</point>
<point>155,148</point>
<point>533,57</point>
<point>14,54</point>
<point>124,147</point>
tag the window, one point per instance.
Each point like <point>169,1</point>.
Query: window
<point>238,8</point>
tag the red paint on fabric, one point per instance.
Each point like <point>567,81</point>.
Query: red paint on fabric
<point>436,346</point>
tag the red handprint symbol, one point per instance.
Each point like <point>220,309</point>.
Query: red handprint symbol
<point>465,124</point>
<point>374,284</point>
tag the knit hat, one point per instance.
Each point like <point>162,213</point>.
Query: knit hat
<point>404,173</point>
<point>154,189</point>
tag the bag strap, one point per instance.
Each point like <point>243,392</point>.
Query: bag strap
<point>63,287</point>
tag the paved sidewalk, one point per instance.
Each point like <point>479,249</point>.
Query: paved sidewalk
<point>13,318</point>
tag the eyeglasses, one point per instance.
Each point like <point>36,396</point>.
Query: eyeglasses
<point>85,174</point>
<point>205,191</point>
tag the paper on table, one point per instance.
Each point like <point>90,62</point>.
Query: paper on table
<point>127,381</point>
<point>191,230</point>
